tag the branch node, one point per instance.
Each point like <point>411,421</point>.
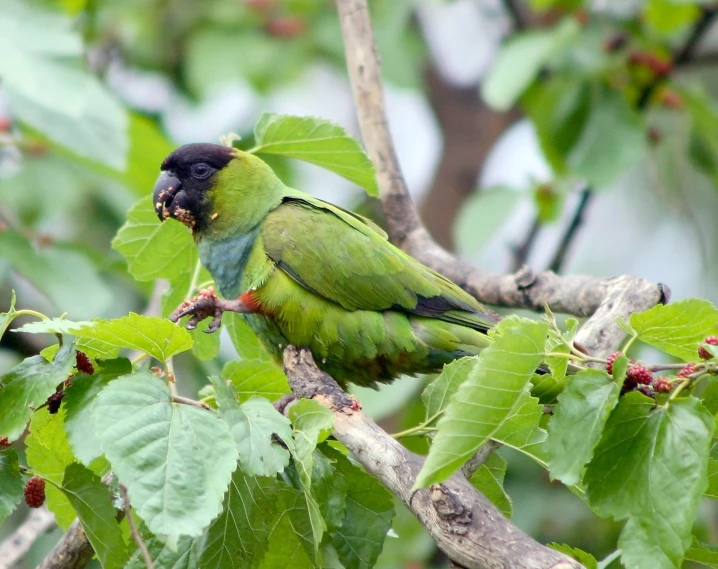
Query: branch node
<point>450,508</point>
<point>525,277</point>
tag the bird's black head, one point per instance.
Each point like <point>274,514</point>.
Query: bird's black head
<point>187,174</point>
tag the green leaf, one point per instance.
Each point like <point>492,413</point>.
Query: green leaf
<point>182,555</point>
<point>78,401</point>
<point>11,483</point>
<point>46,89</point>
<point>49,454</point>
<point>7,317</point>
<point>586,559</point>
<point>613,140</point>
<point>367,518</point>
<point>316,141</point>
<point>521,430</point>
<point>669,16</point>
<point>487,397</point>
<point>239,536</point>
<point>489,480</point>
<point>176,460</point>
<point>253,377</point>
<point>28,385</point>
<point>152,249</point>
<point>90,499</point>
<point>157,337</point>
<point>244,339</point>
<point>703,553</point>
<point>712,490</point>
<point>437,394</point>
<point>677,328</point>
<point>253,425</point>
<point>329,488</point>
<point>577,423</point>
<point>521,60</point>
<point>650,467</point>
<point>482,214</point>
<point>312,424</point>
<point>703,144</point>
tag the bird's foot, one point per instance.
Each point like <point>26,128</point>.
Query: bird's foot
<point>207,304</point>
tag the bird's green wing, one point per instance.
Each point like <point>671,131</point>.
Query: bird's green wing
<point>338,255</point>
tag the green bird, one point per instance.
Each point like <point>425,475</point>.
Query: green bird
<point>305,272</point>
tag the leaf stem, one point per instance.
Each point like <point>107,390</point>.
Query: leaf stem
<point>421,428</point>
<point>133,530</point>
<point>194,280</point>
<point>187,401</point>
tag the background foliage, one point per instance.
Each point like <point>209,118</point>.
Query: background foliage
<point>498,129</point>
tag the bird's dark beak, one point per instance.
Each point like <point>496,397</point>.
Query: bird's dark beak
<point>166,189</point>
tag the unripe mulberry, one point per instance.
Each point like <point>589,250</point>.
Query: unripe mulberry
<point>639,374</point>
<point>84,365</point>
<point>687,370</point>
<point>705,354</point>
<point>610,360</point>
<point>35,492</point>
<point>4,443</point>
<point>662,385</point>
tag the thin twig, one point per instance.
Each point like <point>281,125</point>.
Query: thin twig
<point>576,221</point>
<point>134,531</point>
<point>514,12</point>
<point>17,545</point>
<point>521,252</point>
<point>188,401</point>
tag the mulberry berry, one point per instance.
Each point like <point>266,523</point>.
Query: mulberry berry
<point>610,360</point>
<point>639,374</point>
<point>35,492</point>
<point>84,365</point>
<point>662,385</point>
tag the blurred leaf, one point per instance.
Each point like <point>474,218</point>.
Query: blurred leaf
<point>148,147</point>
<point>244,339</point>
<point>238,537</point>
<point>11,482</point>
<point>613,140</point>
<point>668,16</point>
<point>49,454</point>
<point>586,559</point>
<point>312,424</point>
<point>489,480</point>
<point>559,109</point>
<point>482,214</point>
<point>262,378</point>
<point>367,519</point>
<point>153,249</point>
<point>520,61</point>
<point>438,393</point>
<point>677,328</point>
<point>253,425</point>
<point>703,553</point>
<point>28,385</point>
<point>487,397</point>
<point>67,104</point>
<point>175,460</point>
<point>712,490</point>
<point>577,423</point>
<point>319,142</point>
<point>644,451</point>
<point>78,407</point>
<point>703,144</point>
<point>90,499</point>
<point>63,275</point>
<point>7,317</point>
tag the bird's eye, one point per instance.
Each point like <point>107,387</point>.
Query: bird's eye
<point>201,171</point>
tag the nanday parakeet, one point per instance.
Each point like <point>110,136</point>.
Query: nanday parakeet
<point>308,273</point>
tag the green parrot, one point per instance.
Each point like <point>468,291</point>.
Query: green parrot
<point>305,272</point>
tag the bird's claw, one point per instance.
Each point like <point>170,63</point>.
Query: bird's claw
<point>202,306</point>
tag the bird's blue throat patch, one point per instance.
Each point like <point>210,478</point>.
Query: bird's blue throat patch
<point>226,260</point>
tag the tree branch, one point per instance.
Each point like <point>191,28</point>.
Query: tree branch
<point>17,545</point>
<point>579,295</point>
<point>559,257</point>
<point>464,524</point>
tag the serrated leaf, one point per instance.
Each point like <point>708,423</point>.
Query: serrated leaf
<point>316,141</point>
<point>152,249</point>
<point>520,61</point>
<point>28,385</point>
<point>78,401</point>
<point>677,328</point>
<point>703,553</point>
<point>244,339</point>
<point>586,559</point>
<point>521,430</point>
<point>367,518</point>
<point>49,454</point>
<point>253,425</point>
<point>650,467</point>
<point>438,393</point>
<point>493,386</point>
<point>489,480</point>
<point>90,499</point>
<point>157,337</point>
<point>175,460</point>
<point>577,423</point>
<point>182,555</point>
<point>11,482</point>
<point>238,537</point>
<point>262,378</point>
<point>312,423</point>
